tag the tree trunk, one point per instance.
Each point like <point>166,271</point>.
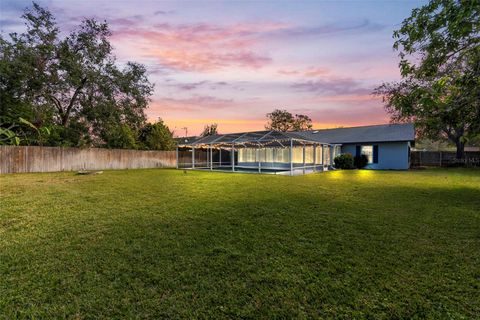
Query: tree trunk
<point>66,114</point>
<point>460,149</point>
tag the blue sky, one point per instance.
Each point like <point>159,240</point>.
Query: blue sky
<point>231,62</point>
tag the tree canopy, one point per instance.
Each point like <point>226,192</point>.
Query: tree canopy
<point>282,120</point>
<point>439,50</point>
<point>210,130</point>
<point>72,85</point>
<point>156,136</point>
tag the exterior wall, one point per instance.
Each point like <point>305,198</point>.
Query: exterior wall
<point>391,155</point>
<point>49,159</point>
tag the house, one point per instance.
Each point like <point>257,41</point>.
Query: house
<point>386,146</point>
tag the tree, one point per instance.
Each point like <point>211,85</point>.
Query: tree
<point>210,130</point>
<point>439,50</point>
<point>282,120</point>
<point>279,120</point>
<point>302,123</point>
<point>120,136</point>
<point>70,84</point>
<point>156,136</point>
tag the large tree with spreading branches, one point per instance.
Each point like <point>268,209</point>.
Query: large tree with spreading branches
<point>439,50</point>
<point>70,84</point>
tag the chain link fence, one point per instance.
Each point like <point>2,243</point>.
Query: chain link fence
<point>443,159</point>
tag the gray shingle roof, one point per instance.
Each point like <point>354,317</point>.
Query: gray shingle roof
<point>376,133</point>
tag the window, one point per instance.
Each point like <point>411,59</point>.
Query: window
<point>337,150</point>
<point>309,154</point>
<point>281,155</point>
<point>246,155</point>
<point>266,155</point>
<point>297,154</point>
<point>368,151</point>
<point>326,156</point>
<point>318,152</point>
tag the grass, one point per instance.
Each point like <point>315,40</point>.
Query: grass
<point>165,244</point>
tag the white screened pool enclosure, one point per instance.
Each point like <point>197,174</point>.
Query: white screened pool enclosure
<point>257,152</point>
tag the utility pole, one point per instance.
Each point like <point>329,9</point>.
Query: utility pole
<point>186,131</point>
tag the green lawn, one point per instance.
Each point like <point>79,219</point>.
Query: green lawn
<point>165,244</point>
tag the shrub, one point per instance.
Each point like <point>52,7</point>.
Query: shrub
<point>344,161</point>
<point>120,137</point>
<point>157,136</point>
<point>360,161</point>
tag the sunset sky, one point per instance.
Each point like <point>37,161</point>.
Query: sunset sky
<point>231,62</point>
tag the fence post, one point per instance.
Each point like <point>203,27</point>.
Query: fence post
<point>303,154</point>
<point>176,153</point>
<point>193,157</point>
<point>440,158</point>
<point>291,156</point>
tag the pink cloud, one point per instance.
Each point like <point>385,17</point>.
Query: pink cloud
<point>198,47</point>
<point>345,110</point>
<point>333,86</point>
<point>330,98</point>
<point>288,72</point>
<point>311,72</point>
<point>189,86</point>
<point>206,60</point>
<point>315,72</point>
<point>354,115</point>
<point>185,105</point>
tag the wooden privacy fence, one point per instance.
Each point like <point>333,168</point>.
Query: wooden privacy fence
<point>49,159</point>
<point>443,159</point>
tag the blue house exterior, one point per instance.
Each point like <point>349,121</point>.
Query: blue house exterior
<point>389,155</point>
<point>387,146</point>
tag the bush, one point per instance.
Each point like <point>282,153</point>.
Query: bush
<point>120,137</point>
<point>157,136</point>
<point>344,161</point>
<point>360,161</point>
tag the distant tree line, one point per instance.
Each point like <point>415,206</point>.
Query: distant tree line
<point>70,91</point>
